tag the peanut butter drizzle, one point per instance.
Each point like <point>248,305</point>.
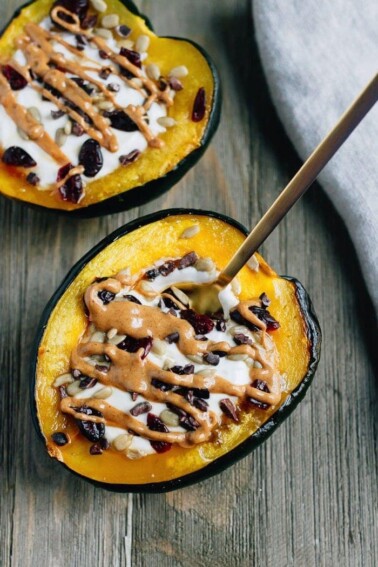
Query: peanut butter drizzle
<point>132,373</point>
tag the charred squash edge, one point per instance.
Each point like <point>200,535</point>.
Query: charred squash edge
<point>240,451</point>
<point>152,189</point>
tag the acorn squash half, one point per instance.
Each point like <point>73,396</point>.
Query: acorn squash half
<point>195,113</point>
<point>138,245</point>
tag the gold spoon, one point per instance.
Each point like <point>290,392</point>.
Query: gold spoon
<point>205,296</point>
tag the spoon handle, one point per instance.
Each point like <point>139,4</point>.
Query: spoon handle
<point>303,179</point>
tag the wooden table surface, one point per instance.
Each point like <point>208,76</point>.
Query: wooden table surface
<point>308,496</point>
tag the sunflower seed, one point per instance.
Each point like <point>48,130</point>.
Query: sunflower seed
<point>159,347</point>
<point>136,83</point>
<point>35,113</point>
<point>197,358</point>
<point>68,127</point>
<point>146,287</point>
<point>235,286</point>
<point>237,356</point>
<point>112,333</point>
<point>208,372</point>
<point>190,231</point>
<point>22,134</point>
<point>105,105</point>
<point>103,32</point>
<point>169,418</point>
<point>126,43</point>
<point>99,5</point>
<point>98,337</point>
<point>253,263</point>
<point>205,265</point>
<point>116,339</point>
<point>257,364</point>
<point>110,21</point>
<point>73,388</point>
<point>153,71</point>
<point>142,43</point>
<point>180,295</point>
<point>103,393</point>
<point>168,363</point>
<point>166,121</point>
<point>60,137</point>
<point>179,72</point>
<point>63,379</point>
<point>122,442</point>
<point>134,454</point>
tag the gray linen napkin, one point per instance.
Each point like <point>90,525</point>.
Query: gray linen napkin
<point>317,55</point>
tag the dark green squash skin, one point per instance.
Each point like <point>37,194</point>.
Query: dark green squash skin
<point>218,465</point>
<point>144,193</point>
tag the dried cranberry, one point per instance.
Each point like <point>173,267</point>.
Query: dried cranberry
<point>96,449</point>
<point>87,382</point>
<point>175,84</point>
<point>90,157</point>
<point>59,438</point>
<point>72,190</point>
<point>77,129</point>
<point>161,446</point>
<point>106,296</point>
<point>163,386</point>
<point>91,430</point>
<point>155,424</point>
<point>121,121</point>
<point>87,87</point>
<point>129,344</point>
<point>188,260</point>
<point>142,407</point>
<point>211,358</point>
<point>228,408</point>
<point>172,338</point>
<point>202,324</point>
<point>18,157</point>
<point>33,178</point>
<point>263,314</point>
<point>183,370</point>
<point>132,299</point>
<point>199,106</point>
<point>16,81</point>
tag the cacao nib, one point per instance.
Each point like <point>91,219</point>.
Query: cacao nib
<point>162,84</point>
<point>121,121</point>
<point>189,396</point>
<point>200,338</point>
<point>132,299</point>
<point>59,438</point>
<point>241,339</point>
<point>51,90</point>
<point>265,301</point>
<point>33,179</point>
<point>55,114</point>
<point>183,370</point>
<point>189,423</point>
<point>172,338</point>
<point>163,386</point>
<point>62,392</point>
<point>202,393</point>
<point>134,396</point>
<point>202,324</point>
<point>199,106</point>
<point>178,411</point>
<point>175,84</point>
<point>133,57</point>
<point>211,358</point>
<point>72,190</point>
<point>104,73</point>
<point>188,260</point>
<point>78,7</point>
<point>238,318</point>
<point>91,430</point>
<point>113,87</point>
<point>167,268</point>
<point>129,344</point>
<point>264,316</point>
<point>18,157</point>
<point>200,404</point>
<point>104,443</point>
<point>161,446</point>
<point>81,42</point>
<point>106,296</point>
<point>79,111</point>
<point>90,157</point>
<point>77,129</point>
<point>15,79</point>
<point>142,407</point>
<point>129,158</point>
<point>96,449</point>
<point>89,22</point>
<point>151,274</point>
<point>260,385</point>
<point>228,408</point>
<point>220,353</point>
<point>87,382</point>
<point>220,326</point>
<point>166,302</point>
<point>123,30</point>
<point>103,54</point>
<point>87,87</point>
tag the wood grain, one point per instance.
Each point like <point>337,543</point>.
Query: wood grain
<point>308,496</point>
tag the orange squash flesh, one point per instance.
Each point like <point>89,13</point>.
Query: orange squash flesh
<point>180,142</point>
<point>67,322</point>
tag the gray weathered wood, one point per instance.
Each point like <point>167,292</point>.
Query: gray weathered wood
<point>308,496</point>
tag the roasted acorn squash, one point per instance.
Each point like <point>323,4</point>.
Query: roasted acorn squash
<point>138,245</point>
<point>195,113</point>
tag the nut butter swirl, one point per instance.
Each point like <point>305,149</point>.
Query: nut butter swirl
<point>132,372</point>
